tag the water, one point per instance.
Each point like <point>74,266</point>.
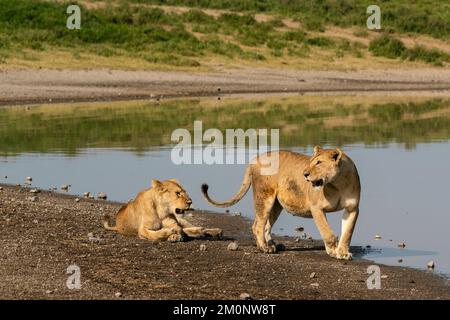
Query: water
<point>402,154</point>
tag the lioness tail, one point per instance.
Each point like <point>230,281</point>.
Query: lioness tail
<point>238,196</point>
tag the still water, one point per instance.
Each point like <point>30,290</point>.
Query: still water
<point>401,149</point>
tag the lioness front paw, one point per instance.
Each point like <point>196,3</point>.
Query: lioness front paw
<point>331,245</point>
<point>271,248</point>
<point>343,254</point>
<point>176,237</point>
<point>331,251</point>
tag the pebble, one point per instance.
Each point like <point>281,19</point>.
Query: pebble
<point>227,211</point>
<point>401,245</point>
<point>35,221</point>
<point>93,238</point>
<point>384,276</point>
<point>315,284</point>
<point>233,246</point>
<point>35,191</point>
<point>245,296</point>
<point>29,179</point>
<point>102,196</point>
<point>77,200</point>
<point>118,294</point>
<point>203,247</point>
<point>400,260</point>
<point>49,291</point>
<point>1,188</point>
<point>87,194</point>
<point>377,237</point>
<point>430,264</point>
<point>300,229</point>
<point>312,275</point>
<point>64,187</point>
<point>237,214</point>
<point>33,199</point>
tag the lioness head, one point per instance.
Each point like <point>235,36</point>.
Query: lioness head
<point>173,198</point>
<point>323,167</point>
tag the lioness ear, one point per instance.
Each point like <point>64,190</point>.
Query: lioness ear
<point>174,180</point>
<point>337,155</point>
<point>156,184</point>
<point>317,149</point>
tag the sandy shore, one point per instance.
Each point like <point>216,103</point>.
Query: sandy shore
<point>44,86</point>
<point>42,236</point>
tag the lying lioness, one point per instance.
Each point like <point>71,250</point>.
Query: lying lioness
<point>307,187</point>
<point>157,214</point>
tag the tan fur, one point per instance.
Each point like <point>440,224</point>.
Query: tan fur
<point>156,214</point>
<point>297,188</point>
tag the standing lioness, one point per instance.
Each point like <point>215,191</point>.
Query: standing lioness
<point>307,187</point>
<point>157,214</point>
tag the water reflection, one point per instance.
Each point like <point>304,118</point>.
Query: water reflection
<point>303,121</point>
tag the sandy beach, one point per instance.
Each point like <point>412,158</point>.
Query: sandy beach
<point>44,233</point>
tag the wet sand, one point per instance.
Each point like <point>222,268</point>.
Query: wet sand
<point>51,86</point>
<point>42,236</point>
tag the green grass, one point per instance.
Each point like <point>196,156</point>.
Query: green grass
<point>162,37</point>
<point>391,47</point>
<point>429,17</point>
<point>149,33</point>
<point>434,56</point>
<point>387,46</point>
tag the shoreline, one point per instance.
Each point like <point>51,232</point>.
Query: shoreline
<point>42,236</point>
<point>21,87</point>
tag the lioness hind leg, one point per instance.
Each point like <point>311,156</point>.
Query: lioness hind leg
<point>348,225</point>
<point>263,209</point>
<point>159,235</point>
<point>273,216</point>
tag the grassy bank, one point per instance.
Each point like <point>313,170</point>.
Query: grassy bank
<point>424,16</point>
<point>393,48</point>
<point>142,35</point>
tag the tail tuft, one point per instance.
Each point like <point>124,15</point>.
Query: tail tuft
<point>242,191</point>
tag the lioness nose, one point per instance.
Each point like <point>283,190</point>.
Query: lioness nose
<point>306,174</point>
<point>189,202</point>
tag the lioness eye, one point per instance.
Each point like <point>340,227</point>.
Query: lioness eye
<point>178,194</point>
<point>318,162</point>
